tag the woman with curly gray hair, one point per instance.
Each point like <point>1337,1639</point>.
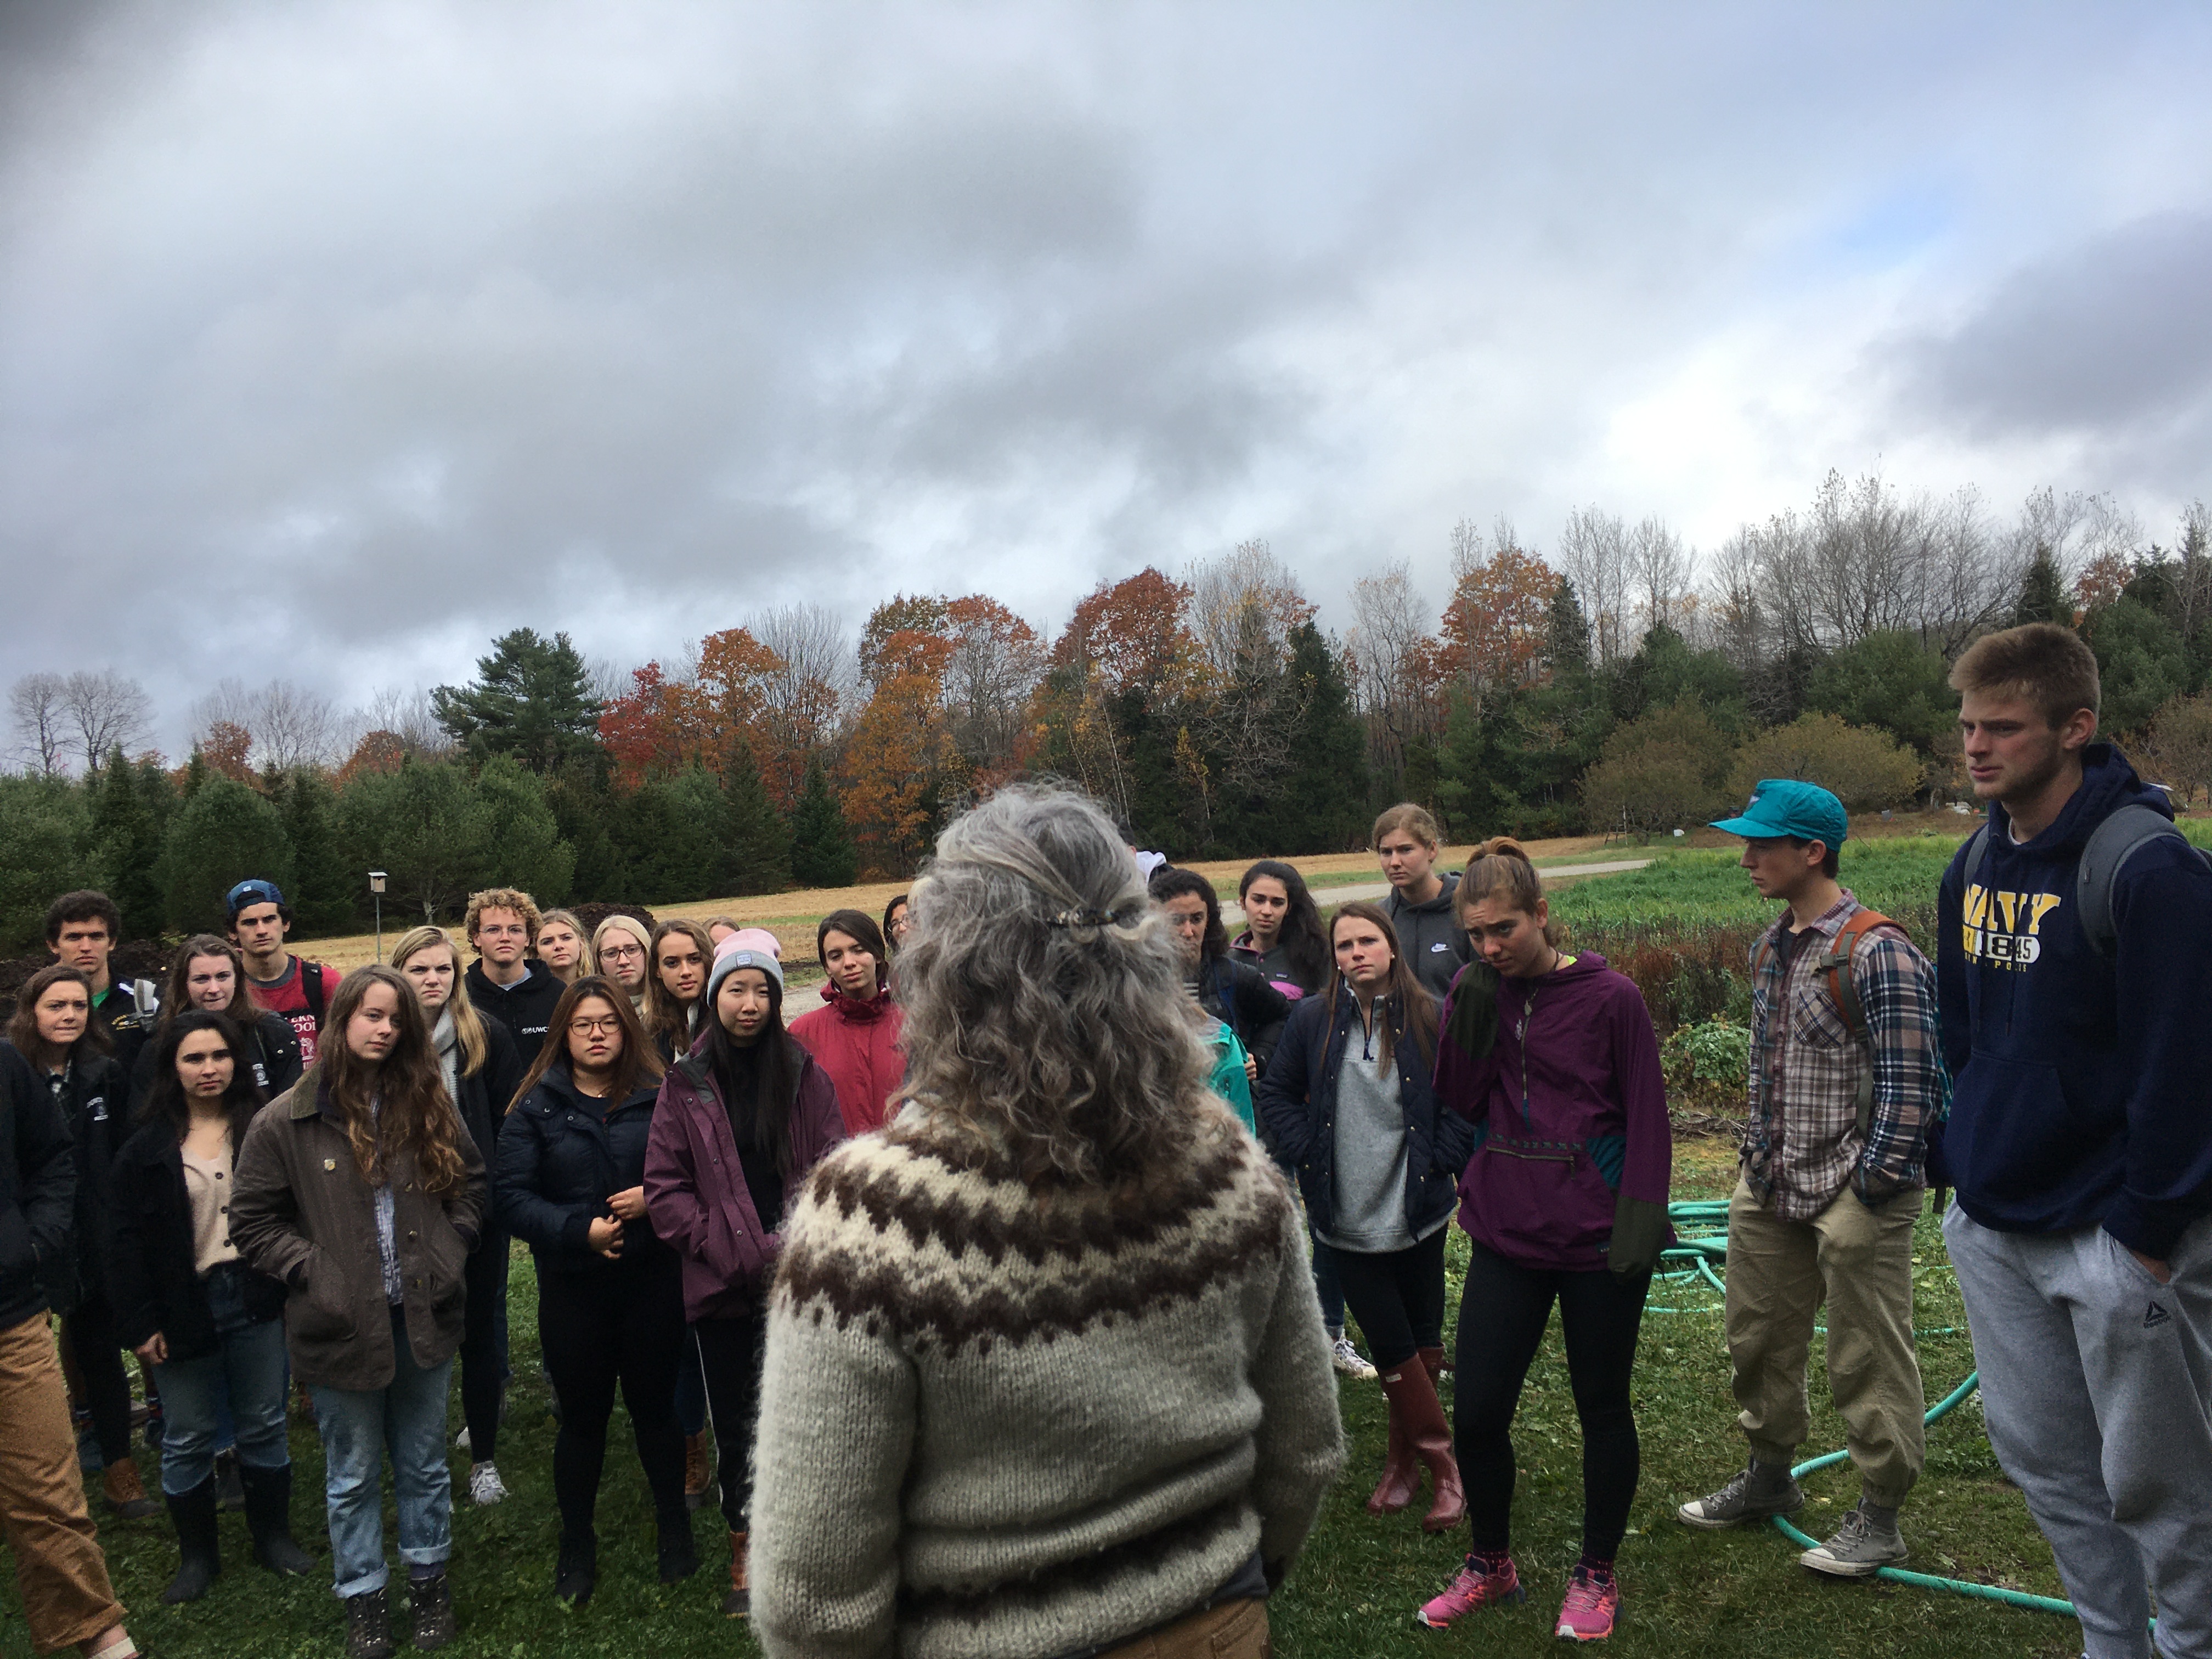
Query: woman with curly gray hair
<point>1045,1374</point>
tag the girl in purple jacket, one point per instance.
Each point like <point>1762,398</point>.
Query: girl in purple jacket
<point>741,1121</point>
<point>1553,1058</point>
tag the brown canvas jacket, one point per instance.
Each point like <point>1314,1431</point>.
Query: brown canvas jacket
<point>301,1213</point>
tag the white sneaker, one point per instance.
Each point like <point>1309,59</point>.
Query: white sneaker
<point>461,1440</point>
<point>1346,1359</point>
<point>484,1485</point>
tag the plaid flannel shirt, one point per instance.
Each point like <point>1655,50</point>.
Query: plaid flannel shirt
<point>1803,1143</point>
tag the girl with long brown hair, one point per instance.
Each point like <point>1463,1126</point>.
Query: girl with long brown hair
<point>570,1182</point>
<point>1349,1105</point>
<point>361,1190</point>
<point>674,1004</point>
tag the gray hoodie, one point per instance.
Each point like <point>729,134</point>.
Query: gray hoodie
<point>1433,942</point>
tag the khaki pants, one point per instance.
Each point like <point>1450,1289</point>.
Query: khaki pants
<point>1235,1629</point>
<point>1857,1262</point>
<point>58,1566</point>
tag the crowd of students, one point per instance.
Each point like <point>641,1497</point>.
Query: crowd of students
<point>1018,1170</point>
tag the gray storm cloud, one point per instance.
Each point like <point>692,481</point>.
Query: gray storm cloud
<point>388,323</point>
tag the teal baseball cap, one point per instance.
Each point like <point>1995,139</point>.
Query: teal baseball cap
<point>1788,806</point>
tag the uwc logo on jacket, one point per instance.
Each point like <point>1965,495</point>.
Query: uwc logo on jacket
<point>2004,929</point>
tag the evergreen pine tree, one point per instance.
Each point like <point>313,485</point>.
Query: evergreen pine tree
<point>127,822</point>
<point>532,699</point>
<point>1569,649</point>
<point>224,834</point>
<point>756,842</point>
<point>821,849</point>
<point>2043,593</point>
<point>1322,804</point>
<point>583,808</point>
<point>326,891</point>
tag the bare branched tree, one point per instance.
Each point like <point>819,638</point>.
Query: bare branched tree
<point>1659,567</point>
<point>1245,605</point>
<point>293,727</point>
<point>38,706</point>
<point>105,710</point>
<point>1594,553</point>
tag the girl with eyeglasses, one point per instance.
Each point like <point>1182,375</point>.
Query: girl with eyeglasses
<point>570,1179</point>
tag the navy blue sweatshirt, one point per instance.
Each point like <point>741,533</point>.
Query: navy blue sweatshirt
<point>2080,1083</point>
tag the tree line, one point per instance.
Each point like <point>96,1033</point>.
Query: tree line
<point>1623,683</point>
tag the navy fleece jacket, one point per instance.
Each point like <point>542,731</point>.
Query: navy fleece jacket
<point>2081,1084</point>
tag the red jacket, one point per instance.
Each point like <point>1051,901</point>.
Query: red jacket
<point>857,1044</point>
<point>695,1186</point>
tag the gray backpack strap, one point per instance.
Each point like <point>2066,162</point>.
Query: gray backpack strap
<point>2112,843</point>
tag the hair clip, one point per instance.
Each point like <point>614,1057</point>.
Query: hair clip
<point>1082,919</point>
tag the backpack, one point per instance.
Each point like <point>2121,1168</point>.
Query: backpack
<point>1843,990</point>
<point>2111,845</point>
<point>311,987</point>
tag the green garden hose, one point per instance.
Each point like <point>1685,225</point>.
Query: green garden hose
<point>1699,1254</point>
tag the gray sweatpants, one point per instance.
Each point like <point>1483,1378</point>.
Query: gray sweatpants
<point>2097,1387</point>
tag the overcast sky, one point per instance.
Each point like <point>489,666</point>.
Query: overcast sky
<point>335,337</point>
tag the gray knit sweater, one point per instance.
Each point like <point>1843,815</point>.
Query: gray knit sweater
<point>1020,1424</point>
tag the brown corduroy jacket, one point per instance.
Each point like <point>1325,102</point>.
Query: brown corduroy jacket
<point>302,1213</point>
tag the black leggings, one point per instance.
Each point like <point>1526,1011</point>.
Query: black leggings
<point>595,1332</point>
<point>1397,1297</point>
<point>482,1365</point>
<point>90,1332</point>
<point>729,1355</point>
<point>1502,1315</point>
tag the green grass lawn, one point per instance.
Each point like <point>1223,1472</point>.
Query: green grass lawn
<point>1356,1588</point>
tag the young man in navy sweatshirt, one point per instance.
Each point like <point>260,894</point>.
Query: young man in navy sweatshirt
<point>2080,1145</point>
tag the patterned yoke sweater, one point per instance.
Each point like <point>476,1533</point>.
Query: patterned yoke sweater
<point>1026,1422</point>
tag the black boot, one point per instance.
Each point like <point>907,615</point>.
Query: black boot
<point>679,1554</point>
<point>577,1570</point>
<point>432,1603</point>
<point>268,1517</point>
<point>369,1624</point>
<point>193,1512</point>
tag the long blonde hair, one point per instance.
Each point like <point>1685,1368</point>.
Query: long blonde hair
<point>567,919</point>
<point>468,1024</point>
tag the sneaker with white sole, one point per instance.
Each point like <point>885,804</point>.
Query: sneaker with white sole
<point>1346,1359</point>
<point>1754,1494</point>
<point>484,1485</point>
<point>1592,1604</point>
<point>1480,1583</point>
<point>461,1440</point>
<point>1862,1547</point>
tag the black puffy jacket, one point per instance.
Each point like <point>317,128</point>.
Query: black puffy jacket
<point>95,1100</point>
<point>38,1186</point>
<point>1244,1000</point>
<point>562,1155</point>
<point>526,1007</point>
<point>151,1279</point>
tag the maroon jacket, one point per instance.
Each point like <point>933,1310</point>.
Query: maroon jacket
<point>857,1044</point>
<point>695,1186</point>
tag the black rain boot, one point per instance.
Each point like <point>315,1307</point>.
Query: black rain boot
<point>268,1517</point>
<point>679,1553</point>
<point>199,1563</point>
<point>576,1569</point>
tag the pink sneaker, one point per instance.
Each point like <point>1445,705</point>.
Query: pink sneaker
<point>1477,1585</point>
<point>1592,1603</point>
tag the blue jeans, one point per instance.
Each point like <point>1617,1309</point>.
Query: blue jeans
<point>245,1375</point>
<point>407,1419</point>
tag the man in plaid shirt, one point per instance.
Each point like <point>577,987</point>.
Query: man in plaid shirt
<point>1831,1182</point>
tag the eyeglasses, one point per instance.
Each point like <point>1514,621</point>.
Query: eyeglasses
<point>607,1022</point>
<point>621,952</point>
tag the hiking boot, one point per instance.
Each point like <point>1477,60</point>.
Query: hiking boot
<point>740,1601</point>
<point>368,1625</point>
<point>124,1492</point>
<point>431,1600</point>
<point>1346,1358</point>
<point>1480,1583</point>
<point>1758,1491</point>
<point>484,1485</point>
<point>1862,1546</point>
<point>698,1470</point>
<point>1593,1602</point>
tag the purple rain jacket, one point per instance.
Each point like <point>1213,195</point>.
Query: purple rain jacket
<point>1570,1116</point>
